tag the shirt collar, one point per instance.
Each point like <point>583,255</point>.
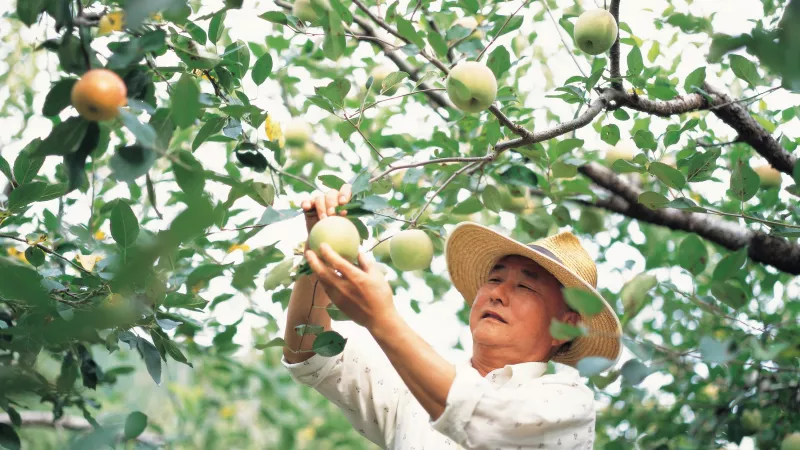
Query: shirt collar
<point>521,371</point>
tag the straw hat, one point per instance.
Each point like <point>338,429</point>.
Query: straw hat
<point>473,249</point>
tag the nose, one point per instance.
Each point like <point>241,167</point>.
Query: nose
<point>498,294</point>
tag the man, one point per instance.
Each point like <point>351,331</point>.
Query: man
<point>498,398</point>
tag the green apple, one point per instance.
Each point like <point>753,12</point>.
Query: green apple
<point>297,133</point>
<point>411,250</point>
<point>379,74</point>
<point>595,31</point>
<point>471,24</point>
<point>770,178</point>
<point>472,86</point>
<point>382,251</point>
<point>338,232</point>
<point>751,421</point>
<point>304,9</point>
<point>791,442</point>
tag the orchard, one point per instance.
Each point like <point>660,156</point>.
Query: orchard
<point>155,153</point>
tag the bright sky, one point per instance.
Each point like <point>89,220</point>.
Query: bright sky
<point>437,323</point>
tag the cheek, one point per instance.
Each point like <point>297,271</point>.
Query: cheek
<point>532,315</point>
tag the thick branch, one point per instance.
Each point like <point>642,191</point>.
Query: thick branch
<point>615,73</point>
<point>44,419</point>
<point>581,121</point>
<point>763,248</point>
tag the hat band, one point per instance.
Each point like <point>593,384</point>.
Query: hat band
<point>545,252</point>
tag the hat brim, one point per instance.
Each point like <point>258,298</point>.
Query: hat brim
<point>473,249</point>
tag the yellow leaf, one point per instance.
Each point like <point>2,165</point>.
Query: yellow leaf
<point>227,411</point>
<point>156,16</point>
<point>307,434</point>
<point>243,247</point>
<point>12,251</point>
<point>88,261</point>
<point>99,235</point>
<point>274,132</point>
<point>111,22</point>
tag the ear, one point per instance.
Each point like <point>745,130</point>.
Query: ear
<point>569,317</point>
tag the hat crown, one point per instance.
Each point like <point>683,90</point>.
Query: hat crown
<point>568,250</point>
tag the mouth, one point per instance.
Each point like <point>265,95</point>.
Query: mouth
<point>494,316</point>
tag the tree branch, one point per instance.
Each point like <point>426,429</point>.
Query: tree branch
<point>615,53</point>
<point>777,252</point>
<point>46,250</point>
<point>43,419</point>
<point>471,159</point>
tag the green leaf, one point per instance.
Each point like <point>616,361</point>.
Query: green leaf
<point>712,351</point>
<point>22,284</point>
<point>521,176</point>
<point>5,169</point>
<point>135,424</point>
<point>336,313</point>
<point>492,198</point>
<point>583,301</point>
<point>331,181</point>
<point>189,174</point>
<point>144,133</point>
<point>645,140</point>
<point>329,343</point>
<point>406,29</point>
<point>335,91</point>
<point>261,69</point>
<point>593,365</point>
<point>334,44</point>
<point>702,165</point>
<point>65,137</point>
<point>392,80</point>
<point>563,170</point>
<point>280,275</point>
<point>513,24</point>
<point>623,166</point>
<point>124,225</point>
<point>685,204</point>
<point>8,436</point>
<point>610,134</point>
<point>745,69</point>
<point>653,200</point>
<point>438,43</point>
<point>796,174</point>
<point>215,28</point>
<point>275,17</point>
<point>621,114</point>
<point>744,182</point>
<point>634,372</point>
<point>34,255</point>
<point>276,342</point>
<point>28,12</point>
<point>635,62</point>
<point>305,329</point>
<point>26,194</point>
<point>27,165</point>
<point>59,97</point>
<point>469,206</point>
<point>634,293</point>
<point>692,254</point>
<point>655,50</point>
<point>152,359</point>
<point>185,101</point>
<point>204,273</point>
<point>499,61</point>
<point>729,293</point>
<point>212,126</point>
<point>695,80</point>
<point>562,330</point>
<point>131,162</point>
<point>668,175</point>
<point>730,264</point>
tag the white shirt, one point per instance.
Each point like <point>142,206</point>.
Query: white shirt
<point>514,407</point>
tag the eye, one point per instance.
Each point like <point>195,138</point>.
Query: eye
<point>525,287</point>
<point>495,280</point>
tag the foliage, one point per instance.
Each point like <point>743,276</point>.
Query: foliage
<point>707,305</point>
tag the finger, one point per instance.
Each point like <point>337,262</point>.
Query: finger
<point>319,202</point>
<point>345,193</point>
<point>306,205</point>
<point>343,266</point>
<point>323,271</point>
<point>368,264</point>
<point>331,202</point>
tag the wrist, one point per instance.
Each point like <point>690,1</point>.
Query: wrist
<point>386,326</point>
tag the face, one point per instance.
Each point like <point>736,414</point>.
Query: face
<point>513,310</point>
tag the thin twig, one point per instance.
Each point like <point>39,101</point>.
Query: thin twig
<point>500,31</point>
<point>719,144</point>
<point>441,188</point>
<point>371,105</point>
<point>471,159</point>
<point>563,41</point>
<point>46,250</point>
<point>742,100</point>
<point>363,136</point>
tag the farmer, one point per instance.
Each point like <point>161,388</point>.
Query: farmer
<point>500,397</point>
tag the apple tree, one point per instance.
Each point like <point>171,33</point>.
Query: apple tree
<point>665,144</point>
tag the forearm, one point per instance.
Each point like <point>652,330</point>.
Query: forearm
<point>426,374</point>
<point>300,304</point>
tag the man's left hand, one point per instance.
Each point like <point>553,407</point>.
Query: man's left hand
<point>362,293</point>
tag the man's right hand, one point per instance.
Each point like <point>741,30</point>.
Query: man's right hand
<point>322,206</point>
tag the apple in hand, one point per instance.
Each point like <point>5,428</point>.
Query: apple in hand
<point>595,31</point>
<point>339,233</point>
<point>411,250</point>
<point>472,86</point>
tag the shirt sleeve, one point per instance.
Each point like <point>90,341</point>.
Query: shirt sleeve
<point>550,411</point>
<point>366,389</point>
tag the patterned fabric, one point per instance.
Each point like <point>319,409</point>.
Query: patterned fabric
<point>514,407</point>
